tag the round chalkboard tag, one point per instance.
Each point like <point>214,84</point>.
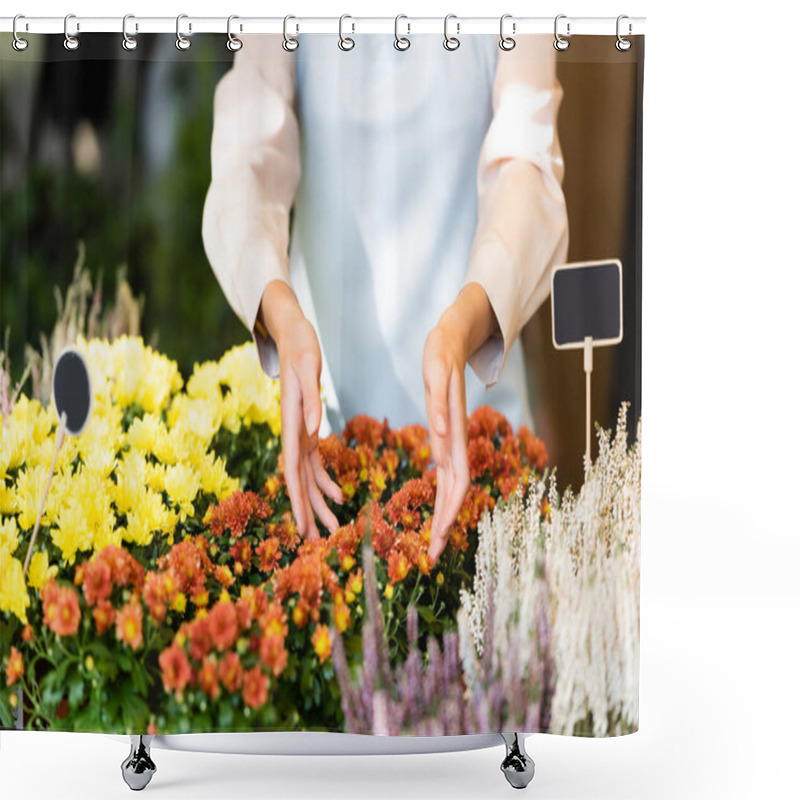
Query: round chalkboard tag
<point>72,390</point>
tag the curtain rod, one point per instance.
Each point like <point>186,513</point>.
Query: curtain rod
<point>630,26</point>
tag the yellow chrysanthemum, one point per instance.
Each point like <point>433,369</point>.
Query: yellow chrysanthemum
<point>146,518</point>
<point>145,432</point>
<point>156,476</point>
<point>30,486</point>
<point>85,519</point>
<point>199,415</point>
<point>182,484</point>
<point>213,477</point>
<point>9,534</point>
<point>39,570</point>
<point>132,479</point>
<point>204,381</point>
<point>13,594</point>
<point>142,375</point>
<point>8,499</point>
<point>255,395</point>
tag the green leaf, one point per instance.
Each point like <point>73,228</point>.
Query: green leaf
<point>76,691</point>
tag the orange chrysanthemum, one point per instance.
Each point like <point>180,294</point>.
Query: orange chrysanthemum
<point>222,625</point>
<point>14,667</point>
<point>103,614</point>
<point>62,613</point>
<point>97,583</point>
<point>207,677</point>
<point>321,639</point>
<point>129,623</point>
<point>269,553</point>
<point>254,692</point>
<point>234,513</point>
<point>230,671</point>
<point>175,669</point>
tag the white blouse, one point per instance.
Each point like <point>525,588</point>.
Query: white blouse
<point>408,174</point>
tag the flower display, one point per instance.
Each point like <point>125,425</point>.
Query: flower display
<point>170,590</point>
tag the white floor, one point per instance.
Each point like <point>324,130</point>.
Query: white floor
<point>720,704</point>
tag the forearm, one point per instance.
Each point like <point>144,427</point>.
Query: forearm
<point>470,320</point>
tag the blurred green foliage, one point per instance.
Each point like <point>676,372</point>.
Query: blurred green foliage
<point>134,209</point>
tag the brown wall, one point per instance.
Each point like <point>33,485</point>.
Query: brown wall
<point>600,131</point>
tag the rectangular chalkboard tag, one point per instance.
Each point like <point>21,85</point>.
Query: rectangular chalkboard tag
<point>586,302</point>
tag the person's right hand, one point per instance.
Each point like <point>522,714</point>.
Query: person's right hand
<point>301,409</point>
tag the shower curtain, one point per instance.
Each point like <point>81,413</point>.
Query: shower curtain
<point>351,325</point>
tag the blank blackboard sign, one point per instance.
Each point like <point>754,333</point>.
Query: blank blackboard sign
<point>587,302</point>
<point>72,390</point>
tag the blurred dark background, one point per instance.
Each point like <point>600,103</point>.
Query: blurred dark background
<point>112,148</point>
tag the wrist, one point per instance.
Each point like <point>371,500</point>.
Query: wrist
<point>470,320</point>
<point>279,309</point>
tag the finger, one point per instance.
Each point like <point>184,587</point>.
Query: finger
<point>324,481</point>
<point>308,371</point>
<point>312,532</point>
<point>290,435</point>
<point>438,532</point>
<point>435,380</point>
<point>326,516</point>
<point>457,449</point>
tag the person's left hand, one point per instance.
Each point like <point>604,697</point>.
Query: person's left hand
<point>443,363</point>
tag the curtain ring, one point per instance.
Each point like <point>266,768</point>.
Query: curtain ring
<point>181,42</point>
<point>234,42</point>
<point>507,42</point>
<point>128,42</point>
<point>451,42</point>
<point>18,43</point>
<point>290,43</point>
<point>70,42</point>
<point>345,42</point>
<point>623,44</point>
<point>560,43</point>
<point>401,42</point>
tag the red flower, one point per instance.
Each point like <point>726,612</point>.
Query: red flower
<point>62,613</point>
<point>255,688</point>
<point>96,581</point>
<point>222,625</point>
<point>480,454</point>
<point>269,553</point>
<point>103,614</point>
<point>129,623</point>
<point>157,594</point>
<point>200,641</point>
<point>14,667</point>
<point>242,553</point>
<point>207,677</point>
<point>125,569</point>
<point>235,512</point>
<point>188,564</point>
<point>346,540</point>
<point>230,671</point>
<point>175,669</point>
<point>398,566</point>
<point>534,448</point>
<point>486,421</point>
<point>363,429</point>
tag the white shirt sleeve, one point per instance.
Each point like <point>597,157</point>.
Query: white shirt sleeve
<point>522,216</point>
<point>255,170</point>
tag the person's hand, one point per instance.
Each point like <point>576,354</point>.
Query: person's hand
<point>443,364</point>
<point>463,327</point>
<point>301,409</point>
